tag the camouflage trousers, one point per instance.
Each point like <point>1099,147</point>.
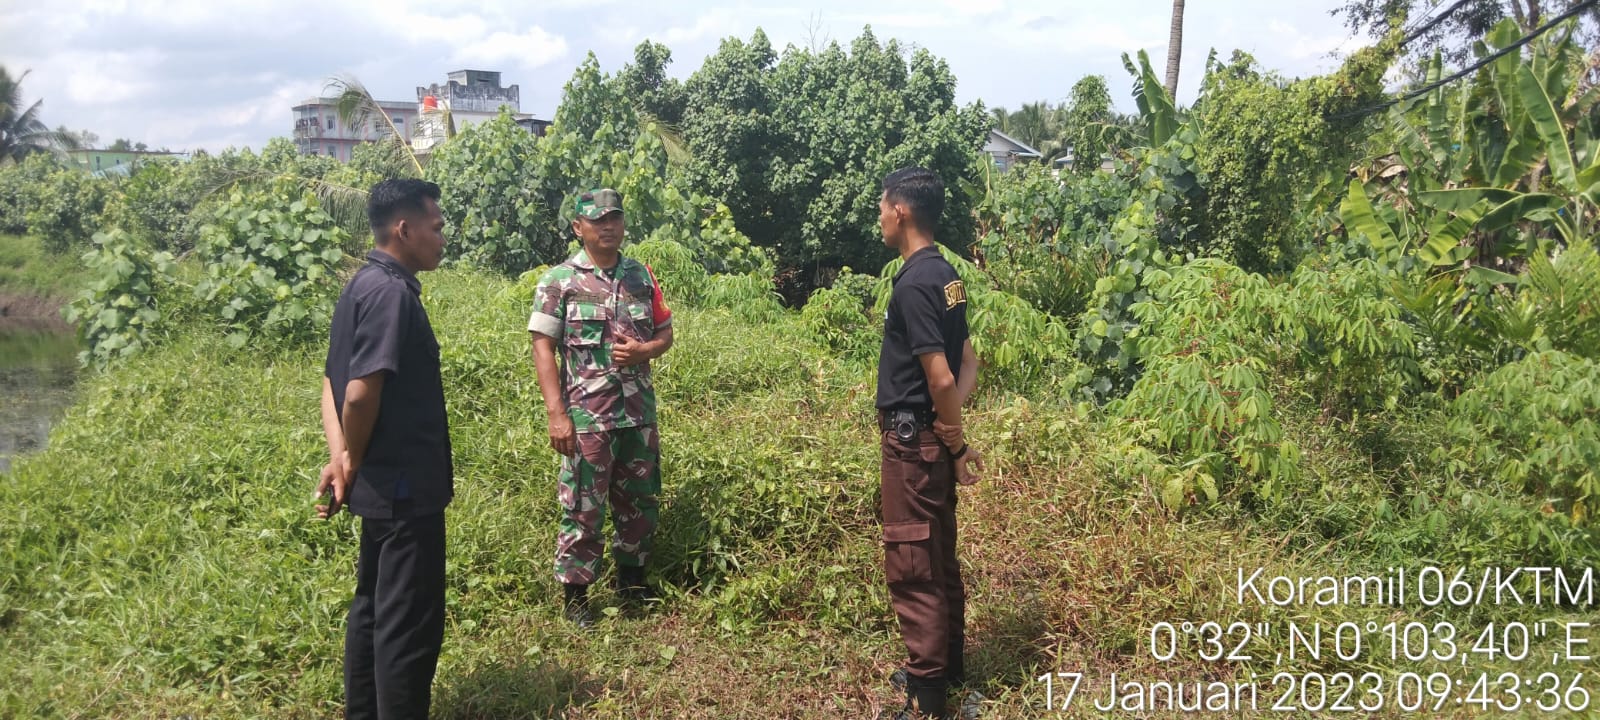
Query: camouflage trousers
<point>620,466</point>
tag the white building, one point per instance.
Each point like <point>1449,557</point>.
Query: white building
<point>471,96</point>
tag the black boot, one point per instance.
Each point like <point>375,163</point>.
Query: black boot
<point>631,586</point>
<point>576,605</point>
<point>925,699</point>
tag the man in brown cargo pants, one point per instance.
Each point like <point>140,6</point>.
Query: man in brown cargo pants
<point>926,371</point>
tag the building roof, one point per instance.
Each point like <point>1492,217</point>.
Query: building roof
<point>1022,149</point>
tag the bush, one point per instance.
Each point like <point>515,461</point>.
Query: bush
<point>840,317</point>
<point>20,184</point>
<point>490,195</point>
<point>116,314</point>
<point>1344,336</point>
<point>1205,394</point>
<point>1533,427</point>
<point>65,207</point>
<point>271,260</point>
<point>154,205</point>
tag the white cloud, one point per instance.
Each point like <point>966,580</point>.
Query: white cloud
<point>975,7</point>
<point>899,20</point>
<point>108,78</point>
<point>716,24</point>
<point>532,48</point>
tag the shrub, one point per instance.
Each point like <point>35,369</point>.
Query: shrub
<point>154,205</point>
<point>840,317</point>
<point>1533,426</point>
<point>116,314</point>
<point>65,207</point>
<point>20,183</point>
<point>490,196</point>
<point>270,265</point>
<point>1205,393</point>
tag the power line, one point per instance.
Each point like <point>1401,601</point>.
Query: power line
<point>1572,12</point>
<point>1433,22</point>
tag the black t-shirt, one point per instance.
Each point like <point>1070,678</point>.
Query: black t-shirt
<point>379,325</point>
<point>927,313</point>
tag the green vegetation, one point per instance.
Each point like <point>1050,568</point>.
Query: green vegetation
<point>27,269</point>
<point>1218,354</point>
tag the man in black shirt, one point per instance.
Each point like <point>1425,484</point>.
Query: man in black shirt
<point>926,371</point>
<point>389,456</point>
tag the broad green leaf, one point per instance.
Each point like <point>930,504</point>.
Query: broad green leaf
<point>1444,240</point>
<point>1519,208</point>
<point>1356,211</point>
<point>1492,277</point>
<point>1463,199</point>
<point>1520,157</point>
<point>1548,122</point>
<point>1172,492</point>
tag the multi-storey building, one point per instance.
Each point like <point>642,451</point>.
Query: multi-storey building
<point>318,130</point>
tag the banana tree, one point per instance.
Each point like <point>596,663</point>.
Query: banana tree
<point>1498,169</point>
<point>1157,113</point>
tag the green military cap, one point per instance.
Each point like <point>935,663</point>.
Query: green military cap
<point>594,204</point>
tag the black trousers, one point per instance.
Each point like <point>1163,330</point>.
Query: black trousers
<point>396,625</point>
<point>919,545</point>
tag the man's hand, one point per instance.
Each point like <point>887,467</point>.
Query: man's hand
<point>968,466</point>
<point>950,435</point>
<point>336,479</point>
<point>627,352</point>
<point>562,437</point>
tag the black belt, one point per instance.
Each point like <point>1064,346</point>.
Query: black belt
<point>906,422</point>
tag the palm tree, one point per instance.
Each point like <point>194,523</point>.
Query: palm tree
<point>1174,49</point>
<point>358,109</point>
<point>22,133</point>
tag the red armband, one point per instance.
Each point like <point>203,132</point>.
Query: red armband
<point>659,312</point>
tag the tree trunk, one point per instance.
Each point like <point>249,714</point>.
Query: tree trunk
<point>1174,50</point>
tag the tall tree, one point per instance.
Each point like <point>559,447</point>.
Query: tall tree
<point>797,145</point>
<point>1087,123</point>
<point>1452,26</point>
<point>1174,49</point>
<point>22,133</point>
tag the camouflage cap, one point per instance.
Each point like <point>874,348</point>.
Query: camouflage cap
<point>594,204</point>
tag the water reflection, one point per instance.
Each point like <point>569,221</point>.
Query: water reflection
<point>38,365</point>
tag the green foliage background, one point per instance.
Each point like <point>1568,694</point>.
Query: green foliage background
<point>1327,342</point>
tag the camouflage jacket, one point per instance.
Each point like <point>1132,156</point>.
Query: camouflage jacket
<point>585,309</point>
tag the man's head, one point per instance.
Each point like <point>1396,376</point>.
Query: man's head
<point>599,224</point>
<point>406,222</point>
<point>913,199</point>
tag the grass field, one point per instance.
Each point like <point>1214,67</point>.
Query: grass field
<point>160,560</point>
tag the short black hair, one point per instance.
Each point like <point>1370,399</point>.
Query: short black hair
<point>393,197</point>
<point>919,189</point>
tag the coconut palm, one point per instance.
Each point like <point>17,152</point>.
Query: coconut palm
<point>22,133</point>
<point>1174,49</point>
<point>357,109</point>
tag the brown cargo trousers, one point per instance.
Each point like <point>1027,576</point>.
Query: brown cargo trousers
<point>919,543</point>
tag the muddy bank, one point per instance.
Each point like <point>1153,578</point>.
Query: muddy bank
<point>32,313</point>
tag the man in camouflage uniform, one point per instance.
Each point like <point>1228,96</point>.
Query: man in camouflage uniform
<point>603,315</point>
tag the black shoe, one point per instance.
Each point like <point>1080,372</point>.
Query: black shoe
<point>576,605</point>
<point>631,586</point>
<point>925,698</point>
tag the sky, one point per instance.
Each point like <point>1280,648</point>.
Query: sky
<point>192,74</point>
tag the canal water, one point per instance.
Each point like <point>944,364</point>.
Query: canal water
<point>38,366</point>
